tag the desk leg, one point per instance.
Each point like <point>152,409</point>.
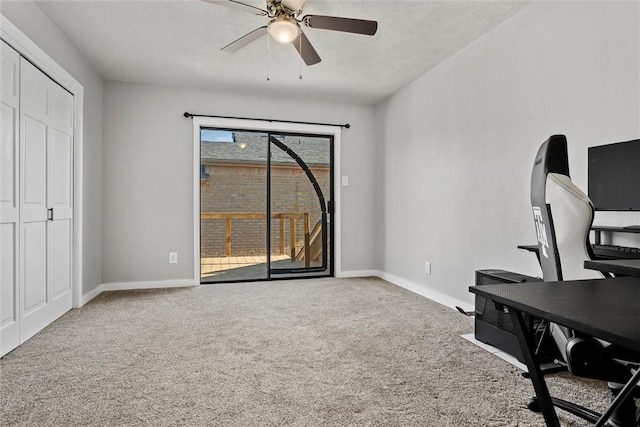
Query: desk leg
<point>597,237</point>
<point>527,345</point>
<point>623,395</point>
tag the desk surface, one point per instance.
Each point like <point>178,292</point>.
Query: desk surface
<point>618,229</point>
<point>625,267</point>
<point>605,308</point>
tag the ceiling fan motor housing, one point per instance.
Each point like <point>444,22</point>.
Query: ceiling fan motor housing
<point>284,28</point>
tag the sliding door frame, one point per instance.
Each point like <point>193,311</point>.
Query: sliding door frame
<point>272,127</point>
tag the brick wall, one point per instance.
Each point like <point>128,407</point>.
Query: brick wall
<point>242,188</point>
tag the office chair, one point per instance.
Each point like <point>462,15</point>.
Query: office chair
<point>563,216</point>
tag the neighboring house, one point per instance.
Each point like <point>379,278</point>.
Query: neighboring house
<point>234,180</point>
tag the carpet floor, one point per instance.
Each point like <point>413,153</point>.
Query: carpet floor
<point>318,352</point>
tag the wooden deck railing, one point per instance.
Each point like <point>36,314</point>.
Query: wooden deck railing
<point>283,216</point>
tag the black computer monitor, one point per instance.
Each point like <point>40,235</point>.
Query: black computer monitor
<point>614,176</point>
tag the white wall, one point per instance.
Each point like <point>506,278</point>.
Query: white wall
<point>28,17</point>
<point>457,145</point>
<point>148,176</point>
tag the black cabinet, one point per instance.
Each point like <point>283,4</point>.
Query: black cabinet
<point>493,323</point>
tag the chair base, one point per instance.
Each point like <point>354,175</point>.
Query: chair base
<point>626,415</point>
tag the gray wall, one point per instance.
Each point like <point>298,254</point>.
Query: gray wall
<point>439,172</point>
<point>456,146</point>
<point>28,17</point>
<point>148,176</point>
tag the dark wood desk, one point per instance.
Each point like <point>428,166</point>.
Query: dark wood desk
<point>586,306</point>
<point>622,267</point>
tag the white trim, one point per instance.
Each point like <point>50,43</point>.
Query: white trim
<point>394,280</point>
<point>273,126</point>
<point>196,202</point>
<point>123,286</point>
<point>151,284</point>
<point>20,42</point>
<point>91,295</point>
<point>496,352</point>
<point>337,204</point>
<point>358,273</point>
<point>425,292</point>
<point>410,286</point>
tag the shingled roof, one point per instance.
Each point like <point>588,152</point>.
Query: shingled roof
<point>251,147</point>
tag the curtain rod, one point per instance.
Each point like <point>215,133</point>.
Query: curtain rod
<point>187,115</point>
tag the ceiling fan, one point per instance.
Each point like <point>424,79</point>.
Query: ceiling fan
<point>284,25</point>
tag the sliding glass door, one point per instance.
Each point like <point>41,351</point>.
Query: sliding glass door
<point>299,201</point>
<point>265,205</point>
<point>233,202</point>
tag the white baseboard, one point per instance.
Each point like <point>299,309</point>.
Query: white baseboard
<point>436,296</point>
<point>496,352</point>
<point>125,286</point>
<point>90,295</point>
<point>410,286</point>
<point>357,273</point>
<point>398,281</point>
<point>151,284</point>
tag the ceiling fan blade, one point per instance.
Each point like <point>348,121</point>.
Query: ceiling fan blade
<point>293,5</point>
<point>347,25</point>
<point>305,49</point>
<point>238,5</point>
<point>243,41</point>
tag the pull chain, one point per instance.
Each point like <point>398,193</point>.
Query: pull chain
<point>268,56</point>
<point>300,62</point>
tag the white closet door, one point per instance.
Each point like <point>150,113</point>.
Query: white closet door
<point>60,165</point>
<point>9,115</point>
<point>34,119</point>
<point>46,208</point>
<point>36,200</point>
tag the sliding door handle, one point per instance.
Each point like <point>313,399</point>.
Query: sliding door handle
<point>50,214</point>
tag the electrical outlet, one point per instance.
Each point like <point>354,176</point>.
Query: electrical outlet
<point>345,180</point>
<point>427,267</point>
<point>173,257</point>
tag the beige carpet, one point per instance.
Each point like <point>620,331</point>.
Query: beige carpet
<point>316,352</point>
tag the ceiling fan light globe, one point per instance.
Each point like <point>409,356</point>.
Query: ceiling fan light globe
<point>283,30</point>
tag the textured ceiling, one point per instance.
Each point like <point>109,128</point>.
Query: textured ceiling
<point>177,43</point>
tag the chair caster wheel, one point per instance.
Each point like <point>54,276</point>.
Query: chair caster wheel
<point>533,404</point>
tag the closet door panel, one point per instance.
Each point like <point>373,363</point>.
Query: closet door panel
<point>34,173</point>
<point>33,142</point>
<point>34,256</point>
<point>60,199</point>
<point>9,198</point>
<point>61,109</point>
<point>61,178</point>
<point>34,277</point>
<point>34,296</point>
<point>60,263</point>
<point>9,324</point>
<point>8,163</point>
<point>9,78</point>
<point>7,274</point>
<point>33,91</point>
